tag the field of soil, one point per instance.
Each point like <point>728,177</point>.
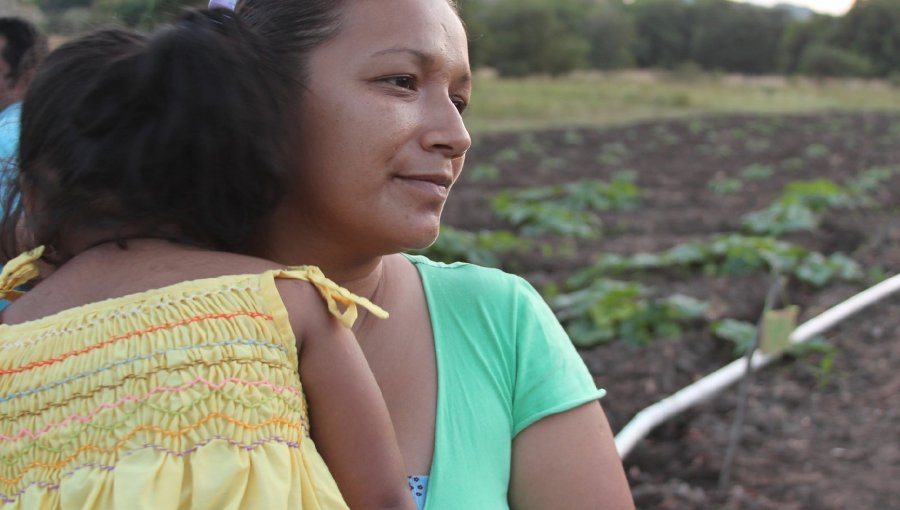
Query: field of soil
<point>823,427</point>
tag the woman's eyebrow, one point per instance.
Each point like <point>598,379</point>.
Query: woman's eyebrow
<point>421,57</point>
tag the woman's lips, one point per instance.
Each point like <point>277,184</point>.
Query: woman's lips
<point>432,184</point>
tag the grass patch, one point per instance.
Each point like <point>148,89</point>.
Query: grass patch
<point>599,99</point>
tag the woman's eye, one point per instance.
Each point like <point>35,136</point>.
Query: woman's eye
<point>404,82</point>
<point>460,104</point>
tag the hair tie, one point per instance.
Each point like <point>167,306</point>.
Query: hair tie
<point>222,4</point>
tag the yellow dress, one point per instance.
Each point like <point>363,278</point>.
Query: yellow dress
<point>182,397</point>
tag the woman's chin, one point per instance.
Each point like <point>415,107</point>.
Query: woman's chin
<point>421,239</point>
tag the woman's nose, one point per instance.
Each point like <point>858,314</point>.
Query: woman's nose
<point>445,131</point>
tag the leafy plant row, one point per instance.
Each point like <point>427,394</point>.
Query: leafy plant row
<point>610,309</point>
<point>728,255</point>
<point>565,209</point>
<point>803,203</point>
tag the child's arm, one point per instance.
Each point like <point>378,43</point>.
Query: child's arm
<point>349,421</point>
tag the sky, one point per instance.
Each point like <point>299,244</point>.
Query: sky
<point>834,7</point>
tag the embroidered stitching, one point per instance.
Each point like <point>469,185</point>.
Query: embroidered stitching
<point>119,313</point>
<point>145,428</point>
<point>126,361</point>
<point>86,418</point>
<point>125,336</point>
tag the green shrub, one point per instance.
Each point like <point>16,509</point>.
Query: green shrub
<point>825,60</point>
<point>533,37</point>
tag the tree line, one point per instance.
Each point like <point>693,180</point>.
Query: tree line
<point>522,37</point>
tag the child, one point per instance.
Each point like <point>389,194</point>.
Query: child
<point>148,370</point>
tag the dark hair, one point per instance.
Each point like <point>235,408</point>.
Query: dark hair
<point>25,47</point>
<point>293,28</point>
<point>171,135</point>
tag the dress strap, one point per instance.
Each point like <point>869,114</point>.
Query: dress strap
<point>18,271</point>
<point>333,294</point>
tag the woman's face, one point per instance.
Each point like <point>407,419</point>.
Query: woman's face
<point>382,138</point>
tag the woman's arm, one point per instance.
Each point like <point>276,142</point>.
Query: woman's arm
<point>568,460</point>
<point>349,421</point>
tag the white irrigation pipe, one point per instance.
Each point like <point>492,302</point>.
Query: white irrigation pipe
<point>650,417</point>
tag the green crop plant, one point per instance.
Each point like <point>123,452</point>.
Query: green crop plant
<point>529,144</point>
<point>612,154</point>
<point>716,151</point>
<point>507,155</point>
<point>738,134</point>
<point>727,255</point>
<point>818,270</point>
<point>763,128</point>
<point>725,186</point>
<point>484,172</point>
<point>741,334</point>
<point>803,203</point>
<point>871,180</point>
<point>667,137</point>
<point>697,126</point>
<point>800,207</point>
<point>610,309</point>
<point>823,355</point>
<point>545,218</point>
<point>758,145</point>
<point>565,209</point>
<point>876,274</point>
<point>817,150</point>
<point>894,130</point>
<point>572,137</point>
<point>756,172</point>
<point>552,163</point>
<point>792,164</point>
<point>780,218</point>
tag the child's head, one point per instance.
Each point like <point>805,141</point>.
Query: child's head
<point>168,135</point>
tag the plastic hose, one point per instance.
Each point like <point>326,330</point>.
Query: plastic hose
<point>655,414</point>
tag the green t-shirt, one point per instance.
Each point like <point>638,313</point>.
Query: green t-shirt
<point>503,363</point>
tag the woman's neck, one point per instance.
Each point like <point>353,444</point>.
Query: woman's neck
<point>362,279</point>
<point>291,239</point>
<point>359,274</point>
<point>366,278</point>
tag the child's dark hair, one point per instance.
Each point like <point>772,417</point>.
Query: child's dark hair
<point>170,135</point>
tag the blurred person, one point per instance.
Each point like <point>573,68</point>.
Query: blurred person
<point>492,405</point>
<point>154,368</point>
<point>22,47</point>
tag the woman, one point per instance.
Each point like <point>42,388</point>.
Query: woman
<point>487,395</point>
<point>168,374</point>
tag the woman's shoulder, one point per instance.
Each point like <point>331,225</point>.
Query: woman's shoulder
<point>471,282</point>
<point>464,272</point>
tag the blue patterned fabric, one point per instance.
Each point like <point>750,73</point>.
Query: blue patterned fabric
<point>418,486</point>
